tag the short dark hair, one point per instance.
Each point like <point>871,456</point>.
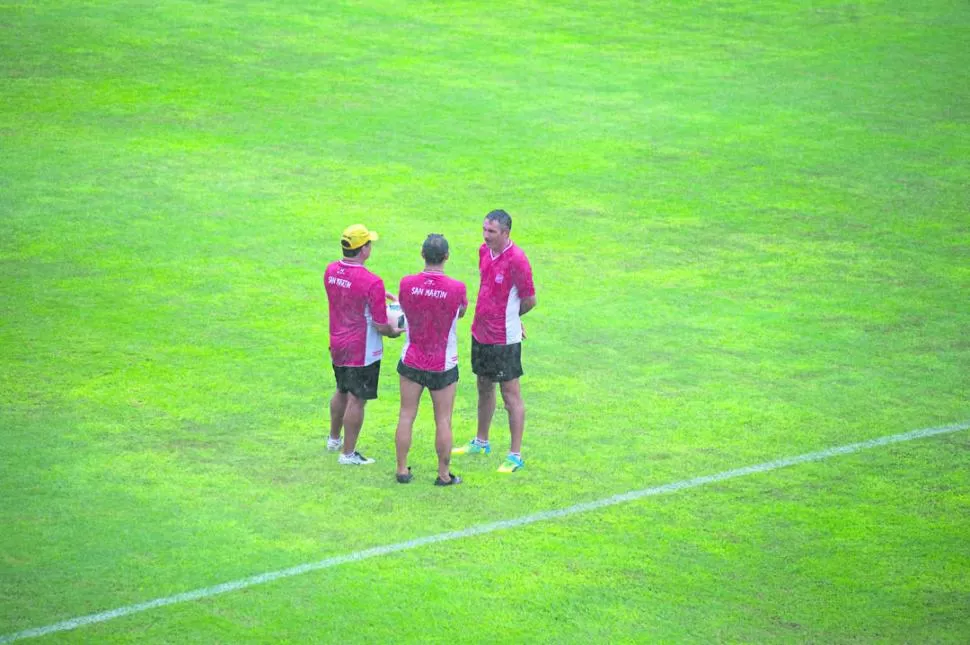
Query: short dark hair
<point>352,253</point>
<point>504,219</point>
<point>435,249</point>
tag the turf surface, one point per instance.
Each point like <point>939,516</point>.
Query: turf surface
<point>748,224</point>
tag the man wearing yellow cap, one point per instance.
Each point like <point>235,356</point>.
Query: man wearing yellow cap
<point>358,320</point>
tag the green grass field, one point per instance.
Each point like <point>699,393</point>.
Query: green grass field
<point>749,224</point>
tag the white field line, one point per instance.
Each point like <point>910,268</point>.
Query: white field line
<point>243,583</point>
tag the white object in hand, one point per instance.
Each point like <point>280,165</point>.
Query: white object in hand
<point>395,316</point>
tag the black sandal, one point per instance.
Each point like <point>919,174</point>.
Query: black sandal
<point>455,479</point>
<point>405,479</point>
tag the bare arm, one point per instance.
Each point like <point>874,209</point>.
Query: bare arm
<point>527,305</point>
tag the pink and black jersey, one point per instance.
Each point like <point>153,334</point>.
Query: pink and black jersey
<point>431,302</point>
<point>356,298</point>
<point>506,279</point>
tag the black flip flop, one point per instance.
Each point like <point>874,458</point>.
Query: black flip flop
<point>405,479</point>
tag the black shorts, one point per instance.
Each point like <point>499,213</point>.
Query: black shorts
<point>359,381</point>
<point>430,380</point>
<point>497,362</point>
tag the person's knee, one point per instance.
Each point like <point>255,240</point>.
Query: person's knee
<point>511,393</point>
<point>408,415</point>
<point>514,405</point>
<point>442,415</point>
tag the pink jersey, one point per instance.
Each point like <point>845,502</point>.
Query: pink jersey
<point>356,298</point>
<point>506,279</point>
<point>431,302</point>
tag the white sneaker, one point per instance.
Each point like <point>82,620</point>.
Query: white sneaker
<point>354,459</point>
<point>333,445</point>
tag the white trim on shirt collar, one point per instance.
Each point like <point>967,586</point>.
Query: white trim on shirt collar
<point>507,247</point>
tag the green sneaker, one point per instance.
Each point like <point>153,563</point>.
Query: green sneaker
<point>511,464</point>
<point>473,448</point>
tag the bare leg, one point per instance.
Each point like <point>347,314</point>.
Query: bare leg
<point>410,398</point>
<point>486,406</point>
<point>338,405</point>
<point>353,421</point>
<point>512,396</point>
<point>444,402</point>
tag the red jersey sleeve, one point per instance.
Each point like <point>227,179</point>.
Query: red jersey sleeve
<point>521,272</point>
<point>375,298</point>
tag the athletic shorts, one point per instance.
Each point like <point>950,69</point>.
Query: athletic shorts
<point>497,362</point>
<point>430,380</point>
<point>359,381</point>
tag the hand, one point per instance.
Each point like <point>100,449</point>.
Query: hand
<point>523,329</point>
<point>395,332</point>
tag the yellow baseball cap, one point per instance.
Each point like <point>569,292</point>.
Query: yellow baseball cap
<point>356,236</point>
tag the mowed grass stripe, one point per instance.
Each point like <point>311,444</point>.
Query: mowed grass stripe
<point>356,556</point>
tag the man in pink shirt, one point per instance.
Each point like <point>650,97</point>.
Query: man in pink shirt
<point>432,304</point>
<point>505,295</point>
<point>358,320</point>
